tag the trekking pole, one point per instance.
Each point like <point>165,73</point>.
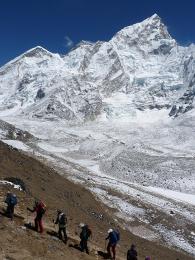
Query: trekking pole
<point>54,225</point>
<point>105,246</point>
<point>27,216</point>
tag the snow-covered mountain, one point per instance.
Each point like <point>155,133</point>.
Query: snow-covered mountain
<point>37,83</point>
<point>141,64</point>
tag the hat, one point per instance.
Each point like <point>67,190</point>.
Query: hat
<point>110,230</point>
<point>147,258</point>
<point>81,225</point>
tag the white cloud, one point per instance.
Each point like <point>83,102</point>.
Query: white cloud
<point>68,42</point>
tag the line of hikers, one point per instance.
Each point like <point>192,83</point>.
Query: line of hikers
<point>113,236</point>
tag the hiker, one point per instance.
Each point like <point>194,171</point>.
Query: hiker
<point>132,253</point>
<point>11,201</point>
<point>113,237</point>
<point>84,236</point>
<point>61,220</point>
<point>40,209</point>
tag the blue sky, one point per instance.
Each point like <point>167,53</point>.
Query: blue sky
<point>59,24</point>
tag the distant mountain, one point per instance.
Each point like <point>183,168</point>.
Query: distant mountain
<point>142,62</point>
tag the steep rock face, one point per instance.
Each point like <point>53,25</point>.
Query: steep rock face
<point>186,102</point>
<point>141,61</point>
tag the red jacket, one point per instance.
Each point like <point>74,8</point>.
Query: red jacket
<point>40,210</point>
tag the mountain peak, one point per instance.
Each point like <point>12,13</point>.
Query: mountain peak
<point>151,31</point>
<point>84,43</point>
<point>37,51</point>
<point>155,25</point>
<point>155,17</point>
<point>155,20</point>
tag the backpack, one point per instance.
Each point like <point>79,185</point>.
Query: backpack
<point>42,209</point>
<point>13,200</point>
<point>62,219</point>
<point>131,255</point>
<point>115,237</point>
<point>86,233</point>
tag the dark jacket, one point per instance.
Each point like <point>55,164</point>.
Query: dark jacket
<point>131,254</point>
<point>113,237</point>
<point>61,220</point>
<point>85,233</point>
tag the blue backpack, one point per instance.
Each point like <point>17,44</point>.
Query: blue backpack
<point>13,200</point>
<point>115,237</point>
<point>118,236</point>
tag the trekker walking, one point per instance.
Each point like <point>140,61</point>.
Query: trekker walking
<point>11,201</point>
<point>40,209</point>
<point>132,253</point>
<point>84,236</point>
<point>61,220</point>
<point>113,237</point>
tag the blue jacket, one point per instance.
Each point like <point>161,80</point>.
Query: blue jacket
<point>113,237</point>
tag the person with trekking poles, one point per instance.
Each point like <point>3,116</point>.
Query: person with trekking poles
<point>113,238</point>
<point>39,208</point>
<point>61,220</point>
<point>132,253</point>
<point>11,201</point>
<point>84,236</point>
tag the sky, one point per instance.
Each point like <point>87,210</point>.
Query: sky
<point>58,25</point>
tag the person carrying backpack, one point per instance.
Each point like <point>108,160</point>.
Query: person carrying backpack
<point>61,220</point>
<point>40,209</point>
<point>11,201</point>
<point>132,253</point>
<point>84,236</point>
<point>113,237</point>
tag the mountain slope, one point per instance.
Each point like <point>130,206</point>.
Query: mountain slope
<point>79,204</point>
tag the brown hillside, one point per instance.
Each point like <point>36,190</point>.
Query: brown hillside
<point>19,243</point>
